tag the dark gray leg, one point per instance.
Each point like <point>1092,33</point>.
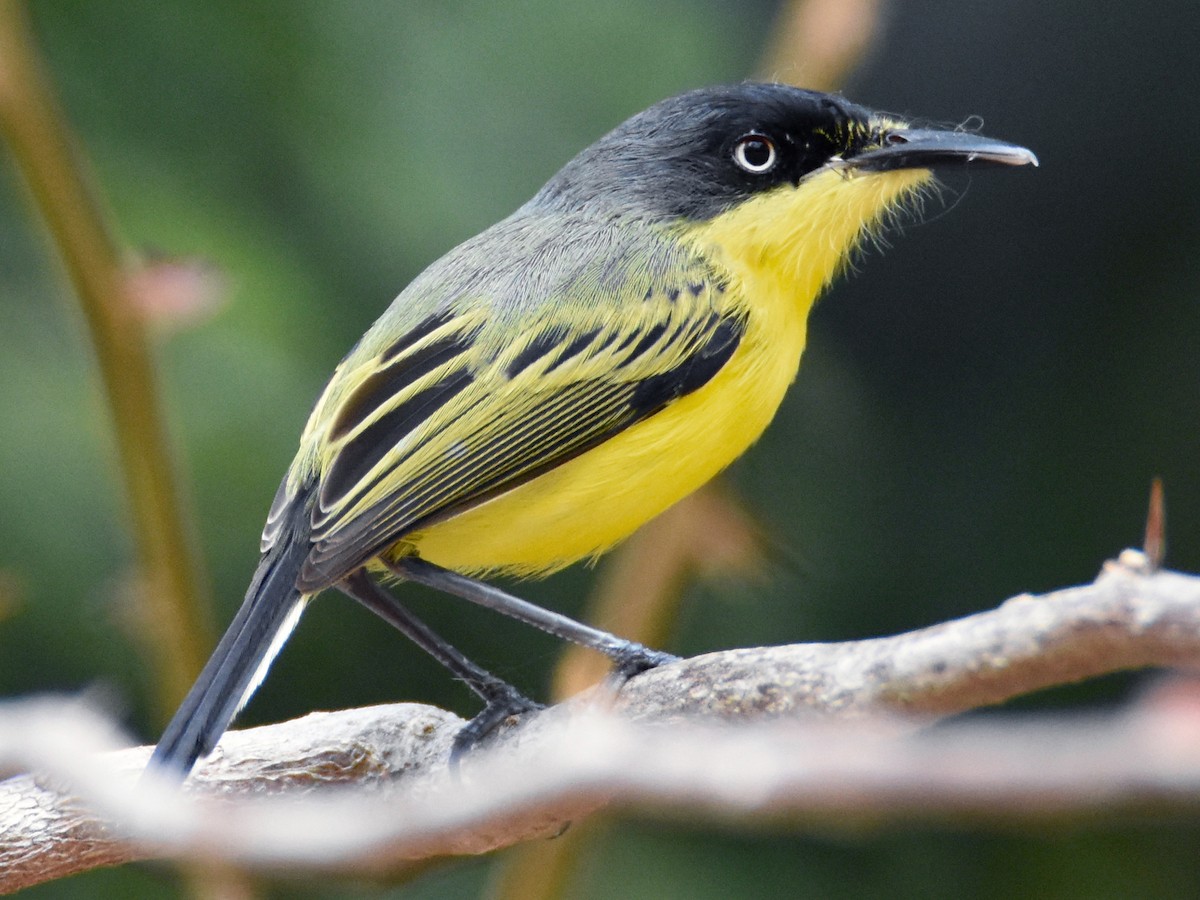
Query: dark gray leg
<point>629,658</point>
<point>501,698</point>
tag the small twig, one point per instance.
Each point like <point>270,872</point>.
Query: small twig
<point>171,596</point>
<point>1154,544</point>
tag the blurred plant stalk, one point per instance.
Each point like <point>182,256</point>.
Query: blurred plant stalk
<point>171,599</point>
<point>815,44</point>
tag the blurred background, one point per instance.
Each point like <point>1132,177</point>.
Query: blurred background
<point>980,412</point>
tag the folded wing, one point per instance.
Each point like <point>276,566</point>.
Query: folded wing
<point>486,392</point>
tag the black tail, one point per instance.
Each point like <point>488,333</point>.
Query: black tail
<point>256,634</point>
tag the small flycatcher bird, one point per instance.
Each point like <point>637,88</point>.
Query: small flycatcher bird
<point>549,385</point>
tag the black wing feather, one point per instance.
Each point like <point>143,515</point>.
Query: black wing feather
<point>568,422</point>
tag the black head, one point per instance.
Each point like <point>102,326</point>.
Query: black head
<point>699,154</point>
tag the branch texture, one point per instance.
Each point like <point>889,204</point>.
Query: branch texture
<point>842,743</point>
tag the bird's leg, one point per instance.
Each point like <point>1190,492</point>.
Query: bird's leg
<point>629,658</point>
<point>501,699</point>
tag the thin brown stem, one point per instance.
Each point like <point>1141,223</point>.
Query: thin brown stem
<point>1154,544</point>
<point>171,597</point>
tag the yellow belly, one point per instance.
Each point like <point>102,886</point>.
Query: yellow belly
<point>584,506</point>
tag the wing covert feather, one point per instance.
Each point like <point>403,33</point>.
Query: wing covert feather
<point>486,391</point>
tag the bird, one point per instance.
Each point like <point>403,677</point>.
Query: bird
<point>547,386</point>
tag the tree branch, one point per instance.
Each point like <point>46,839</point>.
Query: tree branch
<point>264,799</point>
<point>1129,618</point>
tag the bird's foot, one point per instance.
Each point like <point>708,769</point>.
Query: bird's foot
<point>633,659</point>
<point>503,701</point>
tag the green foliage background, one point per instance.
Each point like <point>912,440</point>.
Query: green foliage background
<point>980,412</point>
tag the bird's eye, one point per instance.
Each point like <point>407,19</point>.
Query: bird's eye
<point>755,153</point>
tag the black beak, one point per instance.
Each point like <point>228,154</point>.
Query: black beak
<point>926,149</point>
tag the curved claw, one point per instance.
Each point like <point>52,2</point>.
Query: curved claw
<point>636,658</point>
<point>507,701</point>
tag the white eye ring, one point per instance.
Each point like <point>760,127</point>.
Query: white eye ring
<point>755,153</point>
